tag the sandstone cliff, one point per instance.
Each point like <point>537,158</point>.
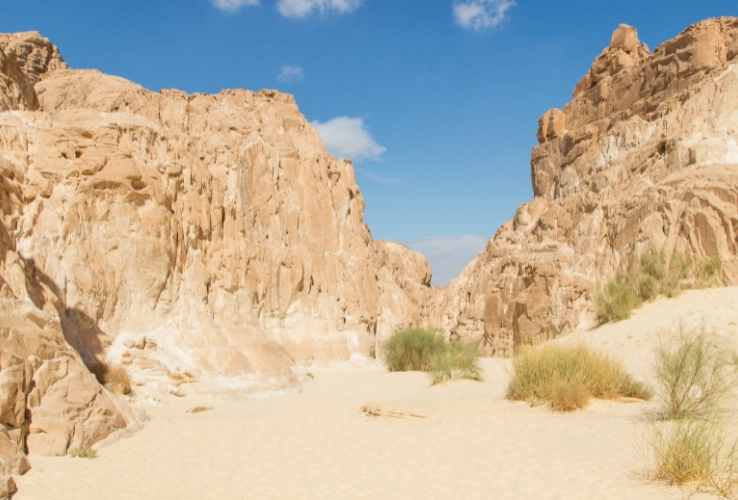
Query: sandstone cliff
<point>646,154</point>
<point>208,234</point>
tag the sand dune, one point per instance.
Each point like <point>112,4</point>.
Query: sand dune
<point>472,442</point>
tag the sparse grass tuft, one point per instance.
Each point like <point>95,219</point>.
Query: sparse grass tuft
<point>460,360</point>
<point>113,377</point>
<point>694,373</point>
<point>83,451</point>
<point>412,349</point>
<point>693,451</point>
<point>567,376</point>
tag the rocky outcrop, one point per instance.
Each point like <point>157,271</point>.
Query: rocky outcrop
<point>645,155</point>
<point>172,233</point>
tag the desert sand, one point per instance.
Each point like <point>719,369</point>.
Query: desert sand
<point>458,440</point>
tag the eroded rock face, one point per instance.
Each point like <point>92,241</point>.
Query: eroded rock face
<point>207,234</point>
<point>646,154</point>
<point>49,401</point>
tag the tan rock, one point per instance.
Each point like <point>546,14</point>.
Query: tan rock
<point>215,232</point>
<point>645,155</point>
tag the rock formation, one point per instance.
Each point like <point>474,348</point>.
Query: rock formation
<point>167,232</point>
<point>645,155</point>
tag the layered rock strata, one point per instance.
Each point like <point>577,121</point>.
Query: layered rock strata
<point>207,235</point>
<point>645,155</point>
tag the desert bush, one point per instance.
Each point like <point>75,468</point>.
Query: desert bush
<point>412,349</point>
<point>694,373</point>
<point>651,277</point>
<point>616,300</point>
<point>460,360</point>
<point>707,271</point>
<point>567,376</point>
<point>83,451</point>
<point>693,451</point>
<point>113,377</point>
<point>425,350</point>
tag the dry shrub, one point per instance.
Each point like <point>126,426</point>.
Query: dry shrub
<point>114,378</point>
<point>694,372</point>
<point>568,395</point>
<point>693,451</point>
<point>83,451</point>
<point>566,376</point>
<point>695,376</point>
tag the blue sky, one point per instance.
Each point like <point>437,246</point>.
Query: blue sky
<point>436,101</point>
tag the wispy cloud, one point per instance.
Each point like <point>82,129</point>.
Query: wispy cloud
<point>448,255</point>
<point>290,74</point>
<point>347,137</point>
<point>481,14</point>
<point>378,178</point>
<point>234,5</point>
<point>302,8</point>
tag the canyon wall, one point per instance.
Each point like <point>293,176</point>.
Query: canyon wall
<point>645,155</point>
<point>171,233</point>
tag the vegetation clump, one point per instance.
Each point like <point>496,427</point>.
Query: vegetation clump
<point>695,376</point>
<point>694,373</point>
<point>567,376</point>
<point>113,377</point>
<point>651,277</point>
<point>419,349</point>
<point>460,360</point>
<point>82,451</point>
<point>412,349</point>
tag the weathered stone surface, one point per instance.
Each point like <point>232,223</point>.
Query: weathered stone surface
<point>171,232</point>
<point>646,154</point>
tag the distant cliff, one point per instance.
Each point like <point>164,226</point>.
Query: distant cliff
<point>645,155</point>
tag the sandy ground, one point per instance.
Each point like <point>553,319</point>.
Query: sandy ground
<point>471,444</point>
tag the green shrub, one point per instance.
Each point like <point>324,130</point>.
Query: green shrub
<point>694,373</point>
<point>419,349</point>
<point>412,349</point>
<point>83,451</point>
<point>616,300</point>
<point>707,271</point>
<point>460,360</point>
<point>650,278</point>
<point>653,264</point>
<point>566,376</point>
<point>693,451</point>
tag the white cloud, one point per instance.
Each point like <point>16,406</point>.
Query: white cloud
<point>346,137</point>
<point>481,14</point>
<point>448,255</point>
<point>303,8</point>
<point>290,74</point>
<point>234,5</point>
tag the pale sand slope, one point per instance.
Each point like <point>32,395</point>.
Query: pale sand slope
<point>317,444</point>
